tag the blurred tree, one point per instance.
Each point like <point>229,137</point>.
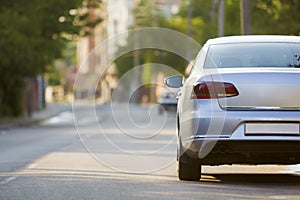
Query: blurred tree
<point>276,17</point>
<point>204,20</point>
<point>33,34</point>
<point>232,17</point>
<point>146,14</point>
<point>53,75</point>
<point>268,17</point>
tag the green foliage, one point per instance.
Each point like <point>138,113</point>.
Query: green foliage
<point>54,76</point>
<point>268,17</point>
<point>276,17</point>
<point>33,34</point>
<point>145,14</point>
<point>124,63</point>
<point>203,20</point>
<point>232,18</point>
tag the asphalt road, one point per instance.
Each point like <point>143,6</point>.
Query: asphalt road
<point>121,152</point>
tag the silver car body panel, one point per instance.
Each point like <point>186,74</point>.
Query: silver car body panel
<point>262,88</point>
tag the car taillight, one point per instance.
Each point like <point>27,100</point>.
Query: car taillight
<point>213,90</point>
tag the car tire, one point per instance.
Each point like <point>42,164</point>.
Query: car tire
<point>161,109</point>
<point>189,172</point>
<point>188,169</point>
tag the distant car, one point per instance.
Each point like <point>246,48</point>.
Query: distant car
<point>240,104</point>
<point>167,100</point>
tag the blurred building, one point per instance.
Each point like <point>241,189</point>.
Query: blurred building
<point>92,59</point>
<point>117,17</point>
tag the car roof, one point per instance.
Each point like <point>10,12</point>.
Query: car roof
<point>253,38</point>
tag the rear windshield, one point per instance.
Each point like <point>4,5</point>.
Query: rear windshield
<point>283,55</point>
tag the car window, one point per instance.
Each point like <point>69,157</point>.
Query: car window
<point>253,55</point>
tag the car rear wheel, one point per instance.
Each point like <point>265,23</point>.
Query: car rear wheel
<point>189,172</point>
<point>188,169</point>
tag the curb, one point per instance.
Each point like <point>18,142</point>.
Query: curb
<point>6,124</point>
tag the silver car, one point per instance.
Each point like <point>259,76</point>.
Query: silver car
<point>167,100</point>
<point>240,104</point>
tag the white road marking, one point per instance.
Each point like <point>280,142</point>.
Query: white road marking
<point>7,180</point>
<point>278,197</point>
<point>31,166</point>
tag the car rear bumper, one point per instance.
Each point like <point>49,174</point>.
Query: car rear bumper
<point>220,137</point>
<point>218,152</point>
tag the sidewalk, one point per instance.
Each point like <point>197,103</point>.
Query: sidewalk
<point>51,110</point>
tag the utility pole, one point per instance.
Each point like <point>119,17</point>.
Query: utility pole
<point>221,18</point>
<point>136,79</point>
<point>189,28</point>
<point>245,10</point>
<point>214,4</point>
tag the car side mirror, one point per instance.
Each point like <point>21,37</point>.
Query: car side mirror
<point>174,81</point>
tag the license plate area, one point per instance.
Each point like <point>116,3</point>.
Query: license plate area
<point>272,129</point>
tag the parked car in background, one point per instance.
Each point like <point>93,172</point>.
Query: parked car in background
<point>167,100</point>
<point>240,104</point>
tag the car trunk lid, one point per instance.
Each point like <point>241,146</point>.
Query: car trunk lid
<point>261,89</point>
